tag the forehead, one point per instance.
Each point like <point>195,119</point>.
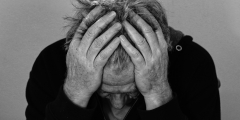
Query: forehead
<point>129,88</point>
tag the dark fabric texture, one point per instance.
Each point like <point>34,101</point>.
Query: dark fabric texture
<point>192,77</point>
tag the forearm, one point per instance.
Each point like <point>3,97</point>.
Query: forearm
<point>168,110</point>
<point>63,108</point>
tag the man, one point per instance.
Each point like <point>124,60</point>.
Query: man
<point>123,62</point>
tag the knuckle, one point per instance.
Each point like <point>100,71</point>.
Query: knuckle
<point>141,42</point>
<point>147,30</point>
<point>103,56</point>
<point>99,26</point>
<point>98,43</point>
<point>109,48</point>
<point>85,13</point>
<point>89,33</point>
<point>89,16</point>
<point>80,30</point>
<point>87,23</point>
<point>136,55</point>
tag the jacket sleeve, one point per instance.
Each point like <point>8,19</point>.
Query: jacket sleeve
<point>202,101</point>
<point>168,111</point>
<point>44,103</point>
<point>63,109</point>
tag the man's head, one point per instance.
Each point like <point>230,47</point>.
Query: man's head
<point>118,74</point>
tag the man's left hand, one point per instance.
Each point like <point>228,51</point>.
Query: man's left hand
<point>151,61</point>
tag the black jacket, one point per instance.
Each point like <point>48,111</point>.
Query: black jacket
<point>192,77</point>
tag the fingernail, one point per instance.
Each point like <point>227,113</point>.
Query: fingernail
<point>118,40</point>
<point>118,25</point>
<point>122,38</point>
<point>99,7</point>
<point>112,13</point>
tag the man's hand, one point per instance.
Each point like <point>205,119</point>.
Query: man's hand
<point>151,64</point>
<point>85,62</point>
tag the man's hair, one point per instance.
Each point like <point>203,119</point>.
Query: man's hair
<point>120,58</point>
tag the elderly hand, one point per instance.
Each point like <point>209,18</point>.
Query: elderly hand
<point>85,62</point>
<point>151,62</point>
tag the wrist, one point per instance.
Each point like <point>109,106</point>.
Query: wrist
<point>155,100</point>
<point>77,98</point>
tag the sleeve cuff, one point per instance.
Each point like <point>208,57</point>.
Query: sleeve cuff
<point>62,108</point>
<point>168,111</point>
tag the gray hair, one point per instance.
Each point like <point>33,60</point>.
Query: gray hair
<point>120,58</point>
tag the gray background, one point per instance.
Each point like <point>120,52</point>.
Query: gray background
<point>27,26</point>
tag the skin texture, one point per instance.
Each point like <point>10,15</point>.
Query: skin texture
<point>84,66</point>
<point>87,57</point>
<point>150,62</point>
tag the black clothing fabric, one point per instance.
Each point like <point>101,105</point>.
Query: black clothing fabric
<point>191,74</point>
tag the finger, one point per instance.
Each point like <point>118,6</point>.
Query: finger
<point>104,55</point>
<point>162,42</point>
<point>140,42</point>
<point>95,29</point>
<point>99,42</point>
<point>155,24</point>
<point>149,18</point>
<point>147,30</point>
<point>87,20</point>
<point>136,57</point>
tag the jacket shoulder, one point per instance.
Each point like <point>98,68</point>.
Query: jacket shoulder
<point>52,61</point>
<point>189,50</point>
<point>188,56</point>
<point>56,48</point>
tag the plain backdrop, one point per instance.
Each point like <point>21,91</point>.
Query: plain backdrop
<point>28,26</point>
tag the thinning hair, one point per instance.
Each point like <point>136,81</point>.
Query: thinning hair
<point>119,59</point>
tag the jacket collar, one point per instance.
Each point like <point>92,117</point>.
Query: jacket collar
<point>175,36</point>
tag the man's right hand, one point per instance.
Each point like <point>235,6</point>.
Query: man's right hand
<point>85,61</point>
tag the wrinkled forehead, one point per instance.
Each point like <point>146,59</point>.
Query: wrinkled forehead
<point>129,89</point>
